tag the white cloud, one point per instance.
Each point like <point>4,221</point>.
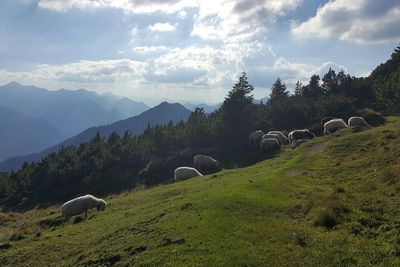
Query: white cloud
<point>162,27</point>
<point>218,20</point>
<point>134,30</point>
<point>104,71</point>
<point>359,21</point>
<point>291,72</point>
<point>131,6</point>
<point>215,19</point>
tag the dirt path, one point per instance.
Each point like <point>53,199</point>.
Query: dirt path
<point>311,151</point>
<point>316,149</point>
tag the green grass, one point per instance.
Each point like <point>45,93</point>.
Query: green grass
<point>331,202</point>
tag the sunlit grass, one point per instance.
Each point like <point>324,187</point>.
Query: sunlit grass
<point>334,207</point>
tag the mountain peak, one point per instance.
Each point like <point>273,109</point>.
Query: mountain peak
<point>13,83</point>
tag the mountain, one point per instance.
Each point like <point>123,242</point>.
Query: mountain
<point>211,108</point>
<point>207,108</point>
<point>158,115</point>
<point>128,108</point>
<point>71,111</point>
<point>261,101</point>
<point>20,134</point>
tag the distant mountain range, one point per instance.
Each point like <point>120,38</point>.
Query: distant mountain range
<point>261,101</point>
<point>211,108</point>
<point>70,111</point>
<point>21,134</point>
<point>158,115</point>
<point>207,108</point>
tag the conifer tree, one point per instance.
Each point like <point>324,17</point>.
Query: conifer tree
<point>278,90</point>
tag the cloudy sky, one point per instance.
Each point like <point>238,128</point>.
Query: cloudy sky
<point>190,50</point>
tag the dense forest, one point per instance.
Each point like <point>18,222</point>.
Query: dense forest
<point>117,163</point>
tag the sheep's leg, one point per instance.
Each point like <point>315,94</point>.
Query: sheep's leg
<point>86,214</point>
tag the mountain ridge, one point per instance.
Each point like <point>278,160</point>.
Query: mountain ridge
<point>21,134</point>
<point>71,111</point>
<point>158,115</point>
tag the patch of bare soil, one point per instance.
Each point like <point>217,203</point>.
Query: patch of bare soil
<point>316,149</point>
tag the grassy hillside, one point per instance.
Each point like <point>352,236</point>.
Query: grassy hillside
<point>331,202</point>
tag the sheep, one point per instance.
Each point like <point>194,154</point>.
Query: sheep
<point>280,137</point>
<point>298,142</point>
<point>357,122</point>
<point>206,164</point>
<point>274,136</point>
<point>269,145</point>
<point>255,138</point>
<point>334,125</point>
<point>300,134</point>
<point>325,120</point>
<point>81,204</point>
<point>184,173</point>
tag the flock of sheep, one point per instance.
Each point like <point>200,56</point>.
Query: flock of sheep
<point>84,203</point>
<point>267,143</point>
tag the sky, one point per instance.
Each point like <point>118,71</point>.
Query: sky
<point>190,50</point>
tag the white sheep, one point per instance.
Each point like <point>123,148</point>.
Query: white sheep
<point>255,138</point>
<point>82,204</point>
<point>334,125</point>
<point>269,145</point>
<point>279,136</point>
<point>357,122</point>
<point>300,134</point>
<point>184,173</point>
<point>273,136</point>
<point>206,164</point>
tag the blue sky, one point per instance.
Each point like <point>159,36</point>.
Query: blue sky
<point>190,50</point>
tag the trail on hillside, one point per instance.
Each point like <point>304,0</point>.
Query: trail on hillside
<point>316,149</point>
<point>313,150</point>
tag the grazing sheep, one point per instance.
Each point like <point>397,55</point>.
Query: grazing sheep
<point>274,136</point>
<point>298,142</point>
<point>325,120</point>
<point>269,145</point>
<point>300,134</point>
<point>255,138</point>
<point>81,204</point>
<point>206,164</point>
<point>281,137</point>
<point>184,173</point>
<point>334,125</point>
<point>357,122</point>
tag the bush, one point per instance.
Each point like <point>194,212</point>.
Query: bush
<point>326,219</point>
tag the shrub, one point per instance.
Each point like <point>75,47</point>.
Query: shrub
<point>326,219</point>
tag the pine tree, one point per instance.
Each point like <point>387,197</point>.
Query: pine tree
<point>298,90</point>
<point>313,89</point>
<point>236,114</point>
<point>240,93</point>
<point>278,90</point>
<point>330,82</point>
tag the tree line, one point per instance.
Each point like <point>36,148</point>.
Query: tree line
<point>117,163</point>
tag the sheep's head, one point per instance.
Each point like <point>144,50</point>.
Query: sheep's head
<point>101,206</point>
